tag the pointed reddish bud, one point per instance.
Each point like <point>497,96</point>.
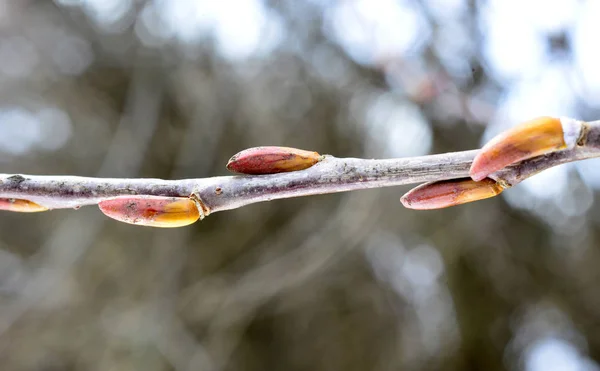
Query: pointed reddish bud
<point>446,193</point>
<point>21,206</point>
<point>151,211</point>
<point>271,160</point>
<point>530,139</point>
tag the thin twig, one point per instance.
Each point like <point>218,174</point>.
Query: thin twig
<point>331,175</point>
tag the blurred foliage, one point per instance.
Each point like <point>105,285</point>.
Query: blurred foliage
<point>171,89</point>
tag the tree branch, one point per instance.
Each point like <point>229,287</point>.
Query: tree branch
<point>330,175</point>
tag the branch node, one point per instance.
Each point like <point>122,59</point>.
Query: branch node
<point>582,139</point>
<point>202,208</point>
<point>502,182</point>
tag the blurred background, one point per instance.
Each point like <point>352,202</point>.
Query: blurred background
<point>172,89</point>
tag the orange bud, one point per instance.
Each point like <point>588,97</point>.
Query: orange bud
<point>271,160</point>
<point>21,206</point>
<point>530,139</point>
<point>446,193</point>
<point>151,211</point>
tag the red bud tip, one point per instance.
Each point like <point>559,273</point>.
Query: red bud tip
<point>530,139</point>
<point>446,193</point>
<point>152,211</point>
<point>271,160</point>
